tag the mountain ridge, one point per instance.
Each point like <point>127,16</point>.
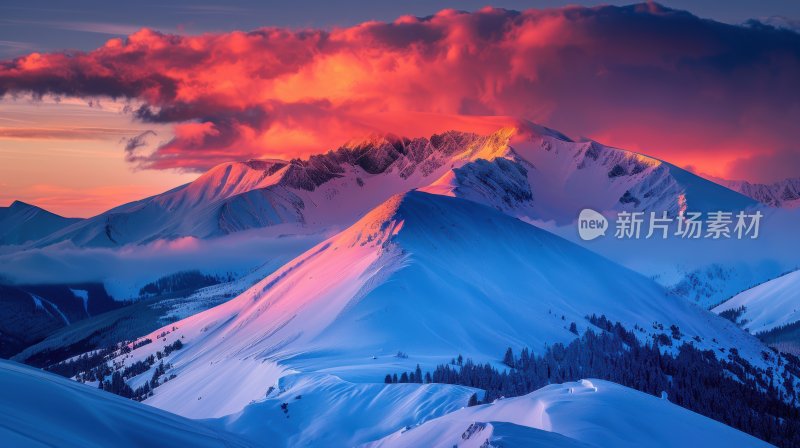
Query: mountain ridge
<point>784,193</point>
<point>553,178</point>
<point>21,222</point>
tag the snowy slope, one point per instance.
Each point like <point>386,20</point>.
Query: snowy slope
<point>587,413</point>
<point>769,305</point>
<point>21,222</point>
<point>324,410</point>
<point>39,409</point>
<point>417,274</point>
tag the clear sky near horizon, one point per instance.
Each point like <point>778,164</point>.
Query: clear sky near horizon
<point>66,145</point>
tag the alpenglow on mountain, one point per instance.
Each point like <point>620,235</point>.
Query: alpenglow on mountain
<point>414,281</point>
<point>528,171</point>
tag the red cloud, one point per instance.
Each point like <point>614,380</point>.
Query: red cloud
<point>662,81</point>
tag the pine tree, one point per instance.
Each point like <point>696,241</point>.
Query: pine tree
<point>418,375</point>
<point>524,358</point>
<point>473,400</point>
<point>404,377</point>
<point>508,359</point>
<point>388,379</point>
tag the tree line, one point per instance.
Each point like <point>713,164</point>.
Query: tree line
<point>730,390</point>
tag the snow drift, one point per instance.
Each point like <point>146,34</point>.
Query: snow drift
<point>587,413</point>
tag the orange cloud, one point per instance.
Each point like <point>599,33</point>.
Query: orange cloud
<point>678,87</point>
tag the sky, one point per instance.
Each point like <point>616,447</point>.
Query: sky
<point>107,103</point>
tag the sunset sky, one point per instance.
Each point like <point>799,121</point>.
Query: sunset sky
<point>104,104</point>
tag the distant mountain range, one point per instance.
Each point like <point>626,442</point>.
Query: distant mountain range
<point>528,171</point>
<point>21,223</point>
<point>785,193</point>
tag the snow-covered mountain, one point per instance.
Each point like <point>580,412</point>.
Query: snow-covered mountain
<point>580,414</point>
<point>39,409</point>
<point>785,193</point>
<point>297,196</point>
<point>529,171</point>
<point>21,222</point>
<point>425,275</point>
<point>545,176</point>
<point>771,310</point>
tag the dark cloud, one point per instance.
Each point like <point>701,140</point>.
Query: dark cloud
<point>134,143</point>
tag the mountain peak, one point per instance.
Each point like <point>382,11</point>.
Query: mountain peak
<point>19,205</point>
<point>266,164</point>
<point>523,128</point>
<point>375,139</point>
<point>21,222</point>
